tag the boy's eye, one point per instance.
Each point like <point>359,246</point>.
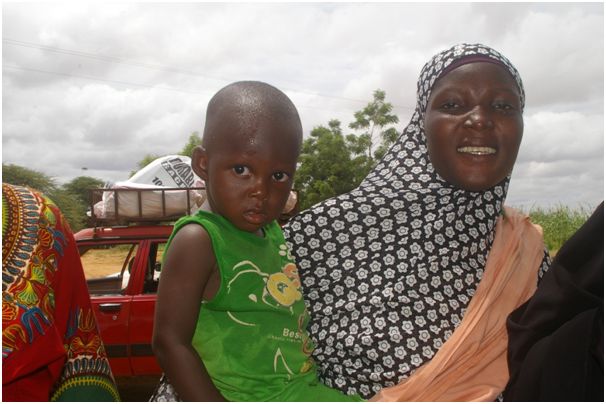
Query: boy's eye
<point>241,170</point>
<point>280,176</point>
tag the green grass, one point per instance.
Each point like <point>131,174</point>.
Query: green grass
<point>559,224</point>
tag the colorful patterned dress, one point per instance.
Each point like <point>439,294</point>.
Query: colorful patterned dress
<point>51,347</point>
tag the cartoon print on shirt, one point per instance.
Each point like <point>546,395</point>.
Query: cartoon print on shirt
<point>281,289</point>
<point>278,290</point>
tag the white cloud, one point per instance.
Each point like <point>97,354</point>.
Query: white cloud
<point>552,136</point>
<point>101,85</point>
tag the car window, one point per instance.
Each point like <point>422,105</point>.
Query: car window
<point>107,266</point>
<point>152,276</point>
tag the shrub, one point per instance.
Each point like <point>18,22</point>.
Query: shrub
<point>559,224</point>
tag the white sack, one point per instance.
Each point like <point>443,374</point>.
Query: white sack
<point>165,172</point>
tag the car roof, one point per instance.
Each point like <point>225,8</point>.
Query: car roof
<point>124,233</point>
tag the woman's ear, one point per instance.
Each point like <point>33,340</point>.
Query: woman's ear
<point>199,162</point>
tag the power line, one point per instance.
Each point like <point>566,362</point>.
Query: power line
<point>109,59</point>
<point>131,84</point>
<point>124,83</point>
<point>165,68</point>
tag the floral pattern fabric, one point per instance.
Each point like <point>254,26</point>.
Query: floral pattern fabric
<point>51,348</point>
<point>389,268</point>
<point>164,391</point>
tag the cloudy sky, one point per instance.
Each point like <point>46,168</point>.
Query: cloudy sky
<point>101,85</point>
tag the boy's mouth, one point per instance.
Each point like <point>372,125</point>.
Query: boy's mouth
<point>255,216</point>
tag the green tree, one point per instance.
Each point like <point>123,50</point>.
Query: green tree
<point>193,141</point>
<point>148,158</point>
<point>64,197</point>
<point>72,208</point>
<point>74,199</point>
<point>326,167</point>
<point>374,121</point>
<point>79,188</point>
<point>187,150</point>
<point>332,164</point>
<point>17,175</point>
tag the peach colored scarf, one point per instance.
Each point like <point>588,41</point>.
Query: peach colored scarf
<point>472,363</point>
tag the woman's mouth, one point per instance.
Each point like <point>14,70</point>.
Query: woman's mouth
<point>477,150</point>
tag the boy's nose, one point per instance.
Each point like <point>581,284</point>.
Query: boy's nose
<point>259,189</point>
<point>478,119</point>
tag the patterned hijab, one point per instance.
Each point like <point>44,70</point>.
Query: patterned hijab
<point>389,268</point>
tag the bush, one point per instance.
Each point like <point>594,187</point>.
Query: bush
<point>559,224</point>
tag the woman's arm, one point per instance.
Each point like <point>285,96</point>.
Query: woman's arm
<point>188,265</point>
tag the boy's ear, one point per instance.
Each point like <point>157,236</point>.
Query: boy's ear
<point>199,162</point>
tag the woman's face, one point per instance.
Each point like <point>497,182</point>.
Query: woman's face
<point>474,125</point>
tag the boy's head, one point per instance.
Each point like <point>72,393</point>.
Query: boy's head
<point>251,142</point>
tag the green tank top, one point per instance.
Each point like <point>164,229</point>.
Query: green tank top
<point>252,335</point>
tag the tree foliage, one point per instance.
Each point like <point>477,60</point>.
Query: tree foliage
<point>71,198</point>
<point>325,168</point>
<point>374,121</point>
<point>17,175</point>
<point>148,158</point>
<point>193,141</point>
<point>72,208</point>
<point>187,150</point>
<point>79,188</point>
<point>332,164</point>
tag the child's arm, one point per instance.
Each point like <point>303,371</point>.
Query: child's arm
<point>188,264</point>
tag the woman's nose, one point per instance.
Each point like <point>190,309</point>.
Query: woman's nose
<point>478,119</point>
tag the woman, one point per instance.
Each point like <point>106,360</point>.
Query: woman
<point>51,347</point>
<point>390,270</point>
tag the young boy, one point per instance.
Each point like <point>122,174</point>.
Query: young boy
<point>230,319</point>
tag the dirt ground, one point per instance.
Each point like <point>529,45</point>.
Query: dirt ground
<point>101,263</point>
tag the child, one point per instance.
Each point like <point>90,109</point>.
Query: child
<point>230,319</point>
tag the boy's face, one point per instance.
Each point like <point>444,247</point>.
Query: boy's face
<point>248,171</point>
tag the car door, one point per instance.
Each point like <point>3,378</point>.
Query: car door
<point>109,269</point>
<point>143,305</point>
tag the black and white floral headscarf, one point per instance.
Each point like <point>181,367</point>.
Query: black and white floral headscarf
<point>389,268</point>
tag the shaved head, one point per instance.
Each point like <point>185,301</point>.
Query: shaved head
<point>243,106</point>
<point>248,158</point>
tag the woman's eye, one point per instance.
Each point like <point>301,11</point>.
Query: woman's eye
<point>241,170</point>
<point>449,105</point>
<point>280,177</point>
<point>503,106</point>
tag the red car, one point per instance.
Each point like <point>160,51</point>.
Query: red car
<point>122,266</point>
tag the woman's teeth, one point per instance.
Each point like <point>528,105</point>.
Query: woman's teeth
<point>478,151</point>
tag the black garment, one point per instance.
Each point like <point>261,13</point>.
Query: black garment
<point>556,339</point>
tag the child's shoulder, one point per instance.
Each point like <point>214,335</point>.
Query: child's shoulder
<point>190,233</point>
<point>199,216</point>
<point>201,219</point>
